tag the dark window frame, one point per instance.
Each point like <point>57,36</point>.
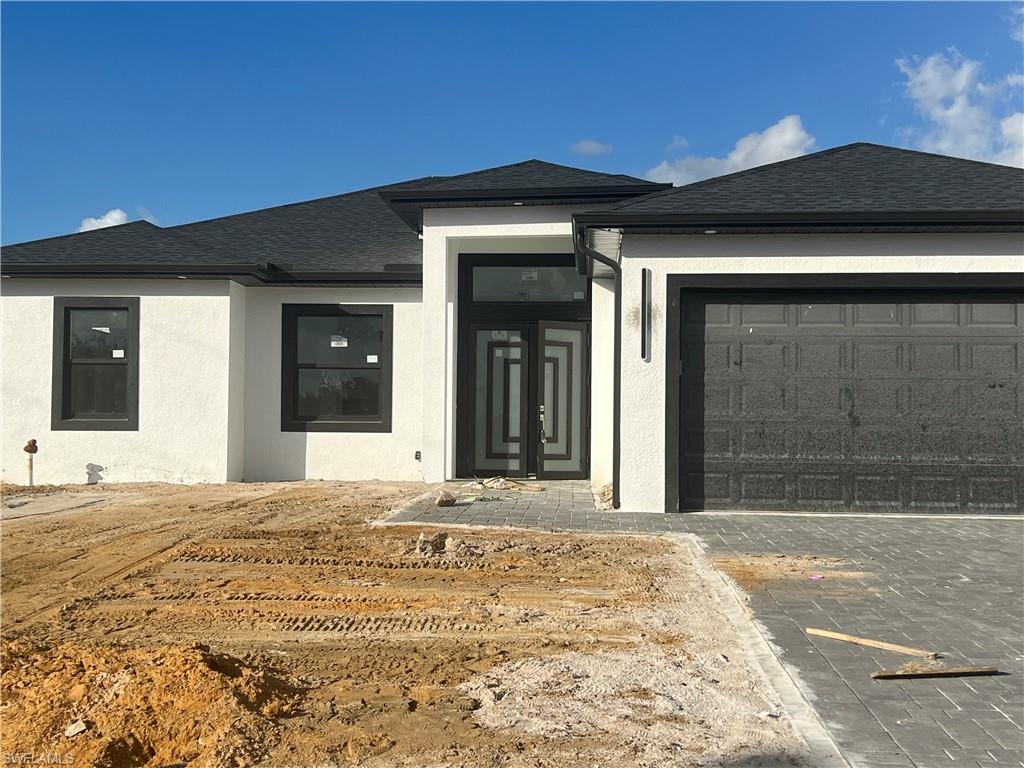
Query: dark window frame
<point>290,314</point>
<point>60,393</point>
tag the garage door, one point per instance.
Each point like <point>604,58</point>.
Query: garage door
<point>870,401</point>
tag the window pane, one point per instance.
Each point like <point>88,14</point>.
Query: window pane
<point>329,395</point>
<point>98,334</point>
<point>528,284</point>
<point>98,391</point>
<point>340,340</point>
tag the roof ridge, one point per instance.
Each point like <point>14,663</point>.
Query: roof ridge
<point>88,231</point>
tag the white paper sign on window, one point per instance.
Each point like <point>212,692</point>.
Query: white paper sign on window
<point>528,275</point>
<point>371,358</point>
<point>101,328</point>
<point>338,341</point>
<point>117,353</point>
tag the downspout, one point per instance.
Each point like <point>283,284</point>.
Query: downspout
<point>585,251</point>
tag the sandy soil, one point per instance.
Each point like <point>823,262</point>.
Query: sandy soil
<point>269,624</point>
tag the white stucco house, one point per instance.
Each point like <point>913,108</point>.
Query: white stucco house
<point>841,331</point>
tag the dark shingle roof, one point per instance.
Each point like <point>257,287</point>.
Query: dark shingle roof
<point>354,232</point>
<point>529,174</point>
<point>137,242</point>
<point>849,179</point>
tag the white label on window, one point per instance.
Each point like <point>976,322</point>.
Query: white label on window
<point>577,295</point>
<point>117,353</point>
<point>371,358</point>
<point>338,341</point>
<point>499,335</point>
<point>528,275</point>
<point>101,328</point>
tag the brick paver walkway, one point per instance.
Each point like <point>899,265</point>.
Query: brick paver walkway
<point>955,585</point>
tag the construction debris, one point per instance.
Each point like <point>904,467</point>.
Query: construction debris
<point>873,643</point>
<point>915,670</point>
<point>503,484</point>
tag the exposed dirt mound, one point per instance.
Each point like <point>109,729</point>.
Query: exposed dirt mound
<point>111,707</point>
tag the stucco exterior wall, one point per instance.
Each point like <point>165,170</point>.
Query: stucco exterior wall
<point>183,433</point>
<point>643,390</point>
<point>271,454</point>
<point>602,366</point>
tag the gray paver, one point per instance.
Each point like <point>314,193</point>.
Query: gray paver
<point>952,584</point>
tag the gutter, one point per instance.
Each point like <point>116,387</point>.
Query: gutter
<point>824,221</point>
<point>246,274</point>
<point>583,254</point>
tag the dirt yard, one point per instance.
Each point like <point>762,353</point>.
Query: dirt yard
<point>270,624</point>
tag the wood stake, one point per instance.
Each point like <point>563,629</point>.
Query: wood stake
<point>873,643</point>
<point>899,674</point>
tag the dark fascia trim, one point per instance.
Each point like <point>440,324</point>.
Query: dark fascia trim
<point>949,220</point>
<point>847,281</point>
<point>409,203</point>
<point>246,274</point>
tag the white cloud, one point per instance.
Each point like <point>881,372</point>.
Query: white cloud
<point>111,218</point>
<point>781,141</point>
<point>678,142</point>
<point>965,115</point>
<point>1017,23</point>
<point>591,147</point>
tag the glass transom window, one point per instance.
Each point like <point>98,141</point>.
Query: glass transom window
<point>529,284</point>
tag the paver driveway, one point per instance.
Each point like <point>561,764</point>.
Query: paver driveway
<point>955,585</point>
<point>951,585</point>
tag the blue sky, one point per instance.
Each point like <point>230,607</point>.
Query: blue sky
<point>180,112</point>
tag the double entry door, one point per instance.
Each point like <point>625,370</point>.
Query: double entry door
<point>529,389</point>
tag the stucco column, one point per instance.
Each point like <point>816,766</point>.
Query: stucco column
<point>437,334</point>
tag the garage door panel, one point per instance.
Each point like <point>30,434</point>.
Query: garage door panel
<point>999,357</point>
<point>764,441</point>
<point>825,488</point>
<point>875,489</point>
<point>926,313</point>
<point>820,315</point>
<point>764,398</point>
<point>761,315</point>
<point>933,398</point>
<point>875,357</point>
<point>765,357</point>
<point>993,314</point>
<point>862,401</point>
<point>932,358</point>
<point>820,444</point>
<point>877,314</point>
<point>875,398</point>
<point>820,357</point>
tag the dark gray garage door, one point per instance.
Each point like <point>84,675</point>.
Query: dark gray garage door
<point>902,402</point>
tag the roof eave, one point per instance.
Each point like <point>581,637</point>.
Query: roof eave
<point>409,203</point>
<point>724,222</point>
<point>246,274</point>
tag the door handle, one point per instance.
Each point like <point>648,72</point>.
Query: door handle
<point>541,436</point>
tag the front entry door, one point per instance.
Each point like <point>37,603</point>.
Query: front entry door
<point>562,393</point>
<point>530,389</point>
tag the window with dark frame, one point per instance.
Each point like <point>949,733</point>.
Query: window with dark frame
<point>336,368</point>
<point>95,364</point>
